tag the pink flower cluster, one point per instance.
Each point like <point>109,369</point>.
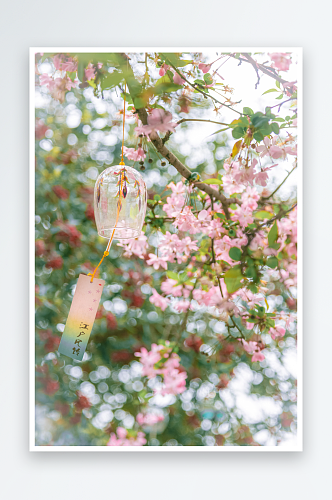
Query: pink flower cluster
<point>134,154</point>
<point>90,72</point>
<point>159,121</point>
<point>176,77</point>
<point>253,349</point>
<point>135,246</point>
<point>162,361</point>
<point>63,63</point>
<point>271,148</point>
<point>238,177</point>
<point>148,419</point>
<point>58,86</point>
<point>277,331</point>
<point>121,438</point>
<point>172,249</point>
<point>280,61</point>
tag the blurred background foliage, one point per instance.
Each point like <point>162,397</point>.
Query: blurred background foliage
<point>81,403</point>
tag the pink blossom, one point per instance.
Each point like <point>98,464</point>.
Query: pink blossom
<point>188,245</point>
<point>204,67</point>
<point>258,356</point>
<point>264,149</point>
<point>90,72</point>
<point>45,79</point>
<point>174,203</point>
<point>182,305</point>
<point>174,382</point>
<point>156,262</point>
<point>133,154</point>
<point>186,221</point>
<point>280,61</point>
<point>149,419</point>
<point>121,438</point>
<point>70,84</point>
<point>244,215</point>
<point>159,300</point>
<point>250,198</point>
<point>178,188</point>
<point>57,61</point>
<point>290,88</point>
<point>250,347</point>
<point>173,376</point>
<point>69,65</point>
<point>135,246</point>
<point>278,331</point>
<point>171,287</point>
<point>231,186</point>
<point>149,359</point>
<point>177,79</point>
<point>261,177</point>
<point>163,69</point>
<point>64,65</point>
<point>158,120</point>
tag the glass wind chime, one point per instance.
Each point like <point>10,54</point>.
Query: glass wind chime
<point>120,199</point>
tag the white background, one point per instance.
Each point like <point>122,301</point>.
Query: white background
<point>157,475</point>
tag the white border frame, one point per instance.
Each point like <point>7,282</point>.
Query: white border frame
<point>32,445</point>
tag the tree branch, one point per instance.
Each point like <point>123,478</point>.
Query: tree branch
<point>166,153</point>
<point>184,171</point>
<point>264,69</point>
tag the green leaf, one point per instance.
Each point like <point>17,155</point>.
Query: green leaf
<point>275,127</point>
<point>279,119</point>
<point>248,111</point>
<point>259,121</point>
<point>163,79</point>
<point>208,79</point>
<point>172,275</point>
<point>175,60</point>
<point>280,96</point>
<point>278,84</point>
<point>272,262</point>
<point>213,181</point>
<point>139,102</point>
<point>270,90</point>
<point>233,279</point>
<point>258,136</point>
<point>250,272</point>
<point>235,253</point>
<point>80,71</point>
<point>238,132</point>
<point>111,80</point>
<point>263,214</point>
<point>166,87</point>
<point>273,236</point>
<point>221,216</point>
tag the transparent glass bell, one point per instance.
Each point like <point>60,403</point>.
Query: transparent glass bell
<point>120,199</point>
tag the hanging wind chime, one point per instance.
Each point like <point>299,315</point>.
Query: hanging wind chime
<point>120,199</point>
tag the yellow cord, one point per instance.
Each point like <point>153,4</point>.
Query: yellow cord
<point>123,123</point>
<point>106,253</point>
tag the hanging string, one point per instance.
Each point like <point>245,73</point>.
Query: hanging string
<point>123,122</point>
<point>119,204</point>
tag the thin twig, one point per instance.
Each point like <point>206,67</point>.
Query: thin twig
<point>201,91</point>
<point>285,179</point>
